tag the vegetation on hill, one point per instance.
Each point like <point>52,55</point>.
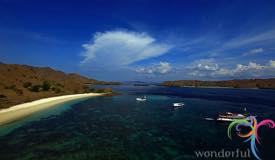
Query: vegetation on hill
<point>244,83</point>
<point>22,83</point>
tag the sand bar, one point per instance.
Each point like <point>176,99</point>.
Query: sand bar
<point>22,110</point>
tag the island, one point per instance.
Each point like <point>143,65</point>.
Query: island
<point>236,83</point>
<point>22,83</point>
<point>26,89</point>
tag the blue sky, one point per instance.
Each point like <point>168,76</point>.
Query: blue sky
<point>142,40</point>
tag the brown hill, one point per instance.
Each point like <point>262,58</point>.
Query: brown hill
<point>22,83</point>
<point>243,83</point>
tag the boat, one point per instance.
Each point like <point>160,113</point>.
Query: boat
<point>209,119</point>
<point>178,105</point>
<point>229,117</point>
<point>141,98</point>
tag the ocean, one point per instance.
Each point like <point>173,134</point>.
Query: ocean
<point>119,127</point>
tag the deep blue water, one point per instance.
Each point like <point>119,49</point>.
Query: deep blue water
<point>119,127</point>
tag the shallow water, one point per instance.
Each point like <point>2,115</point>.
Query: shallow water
<point>119,127</point>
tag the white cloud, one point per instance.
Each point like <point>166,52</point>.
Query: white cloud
<point>160,68</point>
<point>121,48</point>
<point>208,67</point>
<point>205,65</point>
<point>272,63</point>
<point>252,69</point>
<point>164,67</point>
<point>250,66</point>
<point>253,51</point>
<point>244,40</point>
<point>223,72</point>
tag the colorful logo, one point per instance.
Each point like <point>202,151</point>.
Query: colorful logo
<point>252,135</point>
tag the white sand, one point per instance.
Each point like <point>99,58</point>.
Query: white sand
<point>22,110</point>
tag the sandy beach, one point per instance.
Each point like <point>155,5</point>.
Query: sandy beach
<point>22,110</point>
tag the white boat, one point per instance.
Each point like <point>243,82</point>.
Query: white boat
<point>229,117</point>
<point>178,105</point>
<point>209,119</point>
<point>141,98</point>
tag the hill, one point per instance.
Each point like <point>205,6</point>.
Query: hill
<point>243,83</point>
<point>22,83</point>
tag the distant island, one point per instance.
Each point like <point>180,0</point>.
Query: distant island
<point>23,83</point>
<point>139,83</point>
<point>242,83</point>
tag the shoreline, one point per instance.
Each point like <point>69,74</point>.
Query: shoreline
<point>20,111</point>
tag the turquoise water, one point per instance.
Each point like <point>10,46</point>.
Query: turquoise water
<point>40,115</point>
<point>119,127</point>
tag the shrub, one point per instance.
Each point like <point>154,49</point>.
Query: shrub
<point>46,86</point>
<point>92,90</point>
<point>104,90</point>
<point>108,90</point>
<point>3,96</point>
<point>27,84</point>
<point>35,88</point>
<point>60,85</point>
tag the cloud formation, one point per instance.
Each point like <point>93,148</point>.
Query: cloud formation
<point>121,48</point>
<point>118,50</point>
<point>251,70</point>
<point>160,68</point>
<point>253,51</point>
<point>207,66</point>
<point>259,38</point>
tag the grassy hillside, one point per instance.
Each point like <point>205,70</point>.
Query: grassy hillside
<point>22,83</point>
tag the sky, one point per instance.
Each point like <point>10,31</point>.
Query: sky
<point>142,40</point>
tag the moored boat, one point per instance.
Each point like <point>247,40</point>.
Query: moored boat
<point>141,98</point>
<point>178,105</point>
<point>229,116</point>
